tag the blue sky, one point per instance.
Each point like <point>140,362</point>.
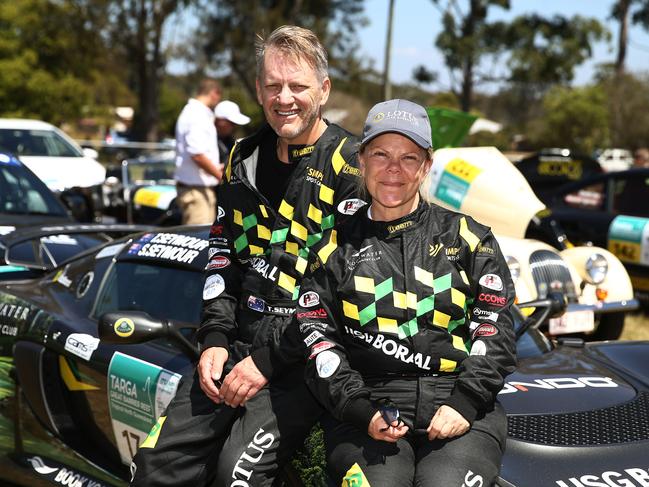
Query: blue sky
<point>417,22</point>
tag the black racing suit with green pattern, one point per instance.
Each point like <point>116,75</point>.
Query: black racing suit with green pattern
<point>257,258</point>
<point>426,295</point>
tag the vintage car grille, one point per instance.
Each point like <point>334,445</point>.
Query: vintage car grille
<point>618,424</point>
<point>551,273</point>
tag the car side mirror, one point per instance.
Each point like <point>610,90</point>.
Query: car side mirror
<point>131,327</point>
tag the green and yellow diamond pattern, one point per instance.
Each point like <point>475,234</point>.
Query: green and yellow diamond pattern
<point>250,223</point>
<point>404,301</point>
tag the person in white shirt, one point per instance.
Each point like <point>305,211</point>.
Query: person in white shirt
<point>198,169</point>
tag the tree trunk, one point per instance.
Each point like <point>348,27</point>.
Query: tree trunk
<point>623,37</point>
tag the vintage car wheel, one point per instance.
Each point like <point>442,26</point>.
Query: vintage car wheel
<point>610,327</point>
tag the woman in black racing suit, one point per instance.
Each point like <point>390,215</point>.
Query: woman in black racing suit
<point>407,326</point>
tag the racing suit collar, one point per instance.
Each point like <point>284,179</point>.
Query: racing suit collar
<point>401,225</point>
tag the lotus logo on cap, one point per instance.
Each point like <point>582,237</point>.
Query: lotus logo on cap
<point>124,327</point>
<point>379,116</point>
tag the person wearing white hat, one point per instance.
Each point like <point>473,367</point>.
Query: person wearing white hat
<point>227,116</point>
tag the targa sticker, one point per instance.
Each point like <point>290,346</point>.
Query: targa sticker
<point>628,239</point>
<point>452,184</point>
<point>138,393</point>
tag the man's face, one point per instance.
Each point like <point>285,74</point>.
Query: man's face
<point>224,127</point>
<point>214,98</point>
<point>291,95</point>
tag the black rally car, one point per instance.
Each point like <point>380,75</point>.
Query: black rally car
<point>91,353</point>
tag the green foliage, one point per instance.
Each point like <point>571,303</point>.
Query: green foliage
<point>50,61</point>
<point>310,460</point>
<point>574,117</point>
<point>628,108</point>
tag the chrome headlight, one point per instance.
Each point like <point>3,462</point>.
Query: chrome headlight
<point>514,267</point>
<point>596,268</point>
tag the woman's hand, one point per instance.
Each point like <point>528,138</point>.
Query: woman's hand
<point>447,423</point>
<point>382,431</point>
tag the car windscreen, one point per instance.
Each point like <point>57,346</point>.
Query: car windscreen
<point>163,292</point>
<point>23,193</point>
<point>31,142</point>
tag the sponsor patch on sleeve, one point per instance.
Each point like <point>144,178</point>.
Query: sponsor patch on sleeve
<point>485,330</point>
<point>478,348</point>
<point>491,281</point>
<point>309,299</point>
<point>308,341</point>
<point>214,286</point>
<point>320,347</point>
<point>327,363</point>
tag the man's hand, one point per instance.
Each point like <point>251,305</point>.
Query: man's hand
<point>382,431</point>
<point>210,368</point>
<point>447,423</point>
<point>242,383</point>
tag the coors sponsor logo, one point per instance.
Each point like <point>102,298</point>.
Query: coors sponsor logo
<point>485,330</point>
<point>218,262</point>
<point>491,281</point>
<point>309,299</point>
<point>492,299</point>
<point>318,313</point>
<point>349,207</point>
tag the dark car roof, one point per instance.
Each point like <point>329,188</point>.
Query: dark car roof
<point>596,178</point>
<point>182,246</point>
<point>57,213</point>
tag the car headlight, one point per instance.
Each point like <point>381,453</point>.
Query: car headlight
<point>596,268</point>
<point>514,267</point>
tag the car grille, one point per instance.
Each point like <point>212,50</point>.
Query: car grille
<point>551,273</point>
<point>618,424</point>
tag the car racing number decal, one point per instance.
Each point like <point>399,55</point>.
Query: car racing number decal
<point>628,239</point>
<point>138,393</point>
<point>452,184</point>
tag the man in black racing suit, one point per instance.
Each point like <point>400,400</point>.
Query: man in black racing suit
<point>412,313</point>
<point>285,187</point>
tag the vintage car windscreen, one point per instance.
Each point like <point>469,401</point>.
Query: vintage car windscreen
<point>163,292</point>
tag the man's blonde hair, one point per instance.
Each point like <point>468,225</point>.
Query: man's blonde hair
<point>296,43</point>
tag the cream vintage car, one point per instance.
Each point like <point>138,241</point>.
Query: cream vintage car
<point>483,183</point>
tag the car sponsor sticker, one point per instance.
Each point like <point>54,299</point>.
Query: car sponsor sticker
<point>491,281</point>
<point>14,312</point>
<point>109,251</point>
<point>81,345</point>
<point>309,299</point>
<point>554,383</point>
<point>124,327</point>
<point>308,341</point>
<point>349,207</point>
<point>629,477</point>
<point>6,230</point>
<point>327,363</point>
<point>138,393</point>
<point>572,322</point>
<point>214,286</point>
<point>168,246</point>
<point>452,184</point>
<point>59,240</point>
<point>58,473</point>
<point>628,239</point>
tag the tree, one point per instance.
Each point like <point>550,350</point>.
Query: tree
<point>54,64</point>
<point>232,25</point>
<point>639,10</point>
<point>628,108</point>
<point>135,30</point>
<point>465,38</point>
<point>575,118</point>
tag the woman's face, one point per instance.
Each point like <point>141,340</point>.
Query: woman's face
<point>393,167</point>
